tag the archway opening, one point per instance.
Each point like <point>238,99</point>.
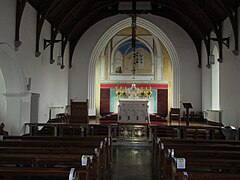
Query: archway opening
<point>152,75</point>
<point>99,52</point>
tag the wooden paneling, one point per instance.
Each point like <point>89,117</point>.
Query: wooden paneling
<point>162,102</point>
<point>104,101</point>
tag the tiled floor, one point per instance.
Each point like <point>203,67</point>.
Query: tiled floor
<point>131,161</point>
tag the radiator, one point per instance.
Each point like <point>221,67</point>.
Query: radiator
<point>214,116</point>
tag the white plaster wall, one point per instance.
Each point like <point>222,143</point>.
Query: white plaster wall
<point>46,79</point>
<point>229,80</point>
<point>2,98</point>
<point>78,74</point>
<point>190,74</point>
<point>206,82</point>
<point>7,21</point>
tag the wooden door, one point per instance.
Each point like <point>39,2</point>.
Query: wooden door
<point>104,101</point>
<point>162,102</point>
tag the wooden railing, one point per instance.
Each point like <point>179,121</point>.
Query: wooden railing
<point>114,131</point>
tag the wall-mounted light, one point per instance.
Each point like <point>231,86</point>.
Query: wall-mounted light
<point>28,83</point>
<point>49,42</point>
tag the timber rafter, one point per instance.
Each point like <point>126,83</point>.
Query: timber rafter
<point>19,12</point>
<point>72,18</point>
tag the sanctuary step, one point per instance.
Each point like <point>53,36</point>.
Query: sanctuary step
<point>113,117</point>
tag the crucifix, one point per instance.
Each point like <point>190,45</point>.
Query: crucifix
<point>134,26</point>
<point>134,71</point>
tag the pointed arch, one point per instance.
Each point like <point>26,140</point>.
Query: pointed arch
<point>215,80</point>
<point>106,38</point>
<point>12,71</point>
<point>15,89</point>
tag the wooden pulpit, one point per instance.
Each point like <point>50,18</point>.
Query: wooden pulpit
<point>79,112</point>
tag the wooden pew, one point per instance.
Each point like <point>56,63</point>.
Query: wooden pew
<point>38,152</point>
<point>172,173</point>
<point>211,176</point>
<point>196,141</point>
<point>42,165</point>
<point>69,141</point>
<point>59,173</point>
<point>223,157</point>
<point>188,132</point>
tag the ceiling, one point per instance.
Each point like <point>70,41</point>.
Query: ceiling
<point>197,17</point>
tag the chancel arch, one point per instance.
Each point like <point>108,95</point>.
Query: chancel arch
<point>104,40</point>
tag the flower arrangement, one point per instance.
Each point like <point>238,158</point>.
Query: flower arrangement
<point>133,92</point>
<point>145,93</point>
<point>118,93</point>
<point>121,93</point>
<point>142,94</point>
<point>149,93</point>
<point>124,93</point>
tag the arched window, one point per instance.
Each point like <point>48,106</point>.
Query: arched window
<point>215,80</point>
<point>123,61</point>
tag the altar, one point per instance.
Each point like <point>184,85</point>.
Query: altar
<point>133,111</point>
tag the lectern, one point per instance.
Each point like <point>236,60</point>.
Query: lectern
<point>79,112</point>
<point>187,106</point>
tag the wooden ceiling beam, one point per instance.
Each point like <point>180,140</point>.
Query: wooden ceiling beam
<point>213,24</point>
<point>232,12</point>
<point>196,18</point>
<point>19,12</point>
<point>207,41</point>
<point>41,16</point>
<point>81,27</point>
<point>60,25</point>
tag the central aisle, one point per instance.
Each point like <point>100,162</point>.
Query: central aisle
<point>131,161</point>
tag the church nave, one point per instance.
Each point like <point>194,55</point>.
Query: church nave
<point>131,161</point>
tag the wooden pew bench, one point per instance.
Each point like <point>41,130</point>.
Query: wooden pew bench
<point>55,138</point>
<point>172,173</point>
<point>211,176</point>
<point>91,139</point>
<point>53,156</point>
<point>41,172</point>
<point>188,132</point>
<point>222,157</point>
<point>195,141</point>
<point>51,153</point>
<point>62,142</point>
<point>52,160</point>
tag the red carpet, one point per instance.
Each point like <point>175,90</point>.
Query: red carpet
<point>108,121</point>
<point>156,122</point>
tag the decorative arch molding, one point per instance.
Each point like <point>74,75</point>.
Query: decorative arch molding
<point>106,38</point>
<point>15,90</point>
<point>12,71</point>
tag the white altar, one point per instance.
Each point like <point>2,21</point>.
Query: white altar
<point>133,111</point>
<point>150,103</point>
